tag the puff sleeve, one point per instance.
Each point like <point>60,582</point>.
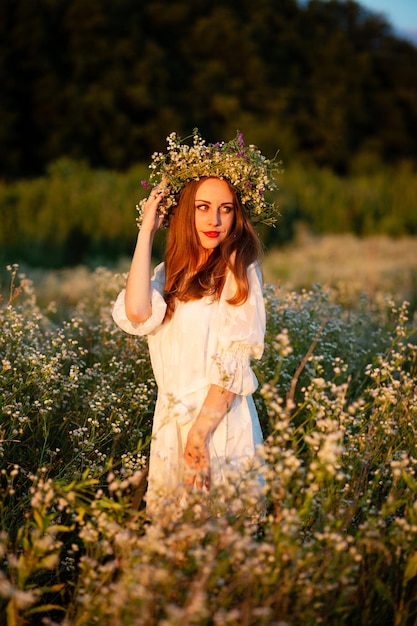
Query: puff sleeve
<point>158,307</point>
<point>241,335</point>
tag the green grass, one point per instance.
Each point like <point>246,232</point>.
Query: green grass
<point>337,401</point>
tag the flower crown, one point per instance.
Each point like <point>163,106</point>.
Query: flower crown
<point>244,167</point>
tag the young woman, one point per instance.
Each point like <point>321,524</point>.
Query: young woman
<point>203,314</point>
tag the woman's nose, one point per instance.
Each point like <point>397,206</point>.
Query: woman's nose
<point>214,217</point>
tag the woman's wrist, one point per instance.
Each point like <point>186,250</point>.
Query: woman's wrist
<point>207,421</point>
<point>146,233</point>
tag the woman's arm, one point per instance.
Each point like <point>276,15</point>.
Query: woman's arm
<point>196,456</point>
<point>138,286</point>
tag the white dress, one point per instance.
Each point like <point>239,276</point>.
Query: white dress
<point>205,342</point>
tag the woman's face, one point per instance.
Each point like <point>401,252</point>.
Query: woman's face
<point>214,212</point>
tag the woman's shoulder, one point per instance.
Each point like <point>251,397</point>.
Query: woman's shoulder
<point>252,265</point>
<point>254,277</point>
<point>253,269</point>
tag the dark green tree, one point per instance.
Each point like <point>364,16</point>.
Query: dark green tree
<point>106,81</point>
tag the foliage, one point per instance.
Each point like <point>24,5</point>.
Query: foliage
<point>337,544</point>
<point>75,214</point>
<point>72,214</point>
<point>52,374</point>
<point>108,81</point>
<point>364,203</point>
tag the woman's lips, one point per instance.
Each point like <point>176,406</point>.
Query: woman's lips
<point>212,233</point>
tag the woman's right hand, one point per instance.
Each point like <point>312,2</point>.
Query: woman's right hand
<point>152,218</point>
<point>197,459</point>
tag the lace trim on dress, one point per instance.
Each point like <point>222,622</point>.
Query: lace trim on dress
<point>232,371</point>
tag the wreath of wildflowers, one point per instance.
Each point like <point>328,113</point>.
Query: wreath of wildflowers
<point>244,167</point>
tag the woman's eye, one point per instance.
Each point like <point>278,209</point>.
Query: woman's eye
<point>205,207</point>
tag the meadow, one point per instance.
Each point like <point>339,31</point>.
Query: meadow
<point>337,401</point>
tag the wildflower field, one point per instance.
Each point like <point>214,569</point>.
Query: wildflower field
<point>338,406</point>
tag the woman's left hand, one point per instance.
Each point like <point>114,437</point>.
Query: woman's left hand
<point>196,457</point>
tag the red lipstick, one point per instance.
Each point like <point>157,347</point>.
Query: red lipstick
<point>212,233</point>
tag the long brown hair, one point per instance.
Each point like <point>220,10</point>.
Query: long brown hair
<point>184,279</point>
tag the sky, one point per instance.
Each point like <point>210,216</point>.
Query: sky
<point>401,14</point>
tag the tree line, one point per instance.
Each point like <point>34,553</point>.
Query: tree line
<point>104,81</point>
